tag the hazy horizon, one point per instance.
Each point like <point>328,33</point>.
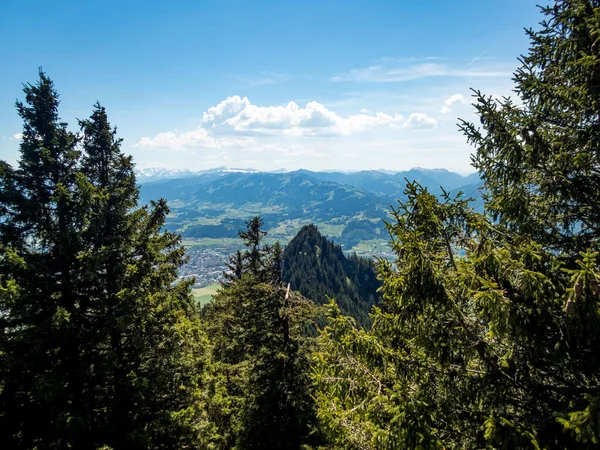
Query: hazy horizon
<point>284,170</point>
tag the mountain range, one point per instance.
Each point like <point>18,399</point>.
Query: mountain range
<point>145,175</point>
<point>347,206</point>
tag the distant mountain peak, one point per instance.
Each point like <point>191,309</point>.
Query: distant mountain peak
<point>238,169</point>
<point>158,173</point>
<point>147,174</point>
<point>423,169</point>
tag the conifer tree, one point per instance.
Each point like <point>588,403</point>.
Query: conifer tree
<point>262,382</point>
<point>40,402</point>
<point>254,256</point>
<point>135,265</point>
<point>538,155</point>
<point>100,345</point>
<point>235,267</point>
<point>489,322</point>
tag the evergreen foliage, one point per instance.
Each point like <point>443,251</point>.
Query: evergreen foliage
<point>261,385</point>
<point>538,156</point>
<point>487,334</point>
<point>318,269</point>
<point>99,345</point>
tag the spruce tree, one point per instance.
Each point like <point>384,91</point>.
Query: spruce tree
<point>261,376</point>
<point>101,346</point>
<point>487,331</point>
<point>538,155</point>
<point>151,335</point>
<point>41,336</point>
<point>253,238</point>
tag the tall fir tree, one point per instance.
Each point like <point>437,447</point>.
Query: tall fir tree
<point>100,345</point>
<point>39,402</point>
<point>262,382</point>
<point>538,155</point>
<point>489,322</point>
<point>151,326</point>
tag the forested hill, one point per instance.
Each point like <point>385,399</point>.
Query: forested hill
<point>318,269</point>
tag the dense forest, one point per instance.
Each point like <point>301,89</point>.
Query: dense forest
<point>318,269</point>
<point>485,334</point>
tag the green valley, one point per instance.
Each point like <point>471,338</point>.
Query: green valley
<point>209,208</point>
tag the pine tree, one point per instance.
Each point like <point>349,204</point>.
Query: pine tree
<point>235,267</point>
<point>262,382</point>
<point>100,345</point>
<point>538,155</point>
<point>274,265</point>
<point>39,402</point>
<point>487,330</point>
<point>167,354</point>
<point>253,237</point>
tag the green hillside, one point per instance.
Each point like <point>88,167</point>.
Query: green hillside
<point>205,207</point>
<point>349,207</point>
<point>319,270</point>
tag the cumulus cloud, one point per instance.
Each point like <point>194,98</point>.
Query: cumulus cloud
<point>237,123</point>
<point>452,100</point>
<point>420,121</point>
<point>17,137</point>
<point>239,115</point>
<point>227,109</point>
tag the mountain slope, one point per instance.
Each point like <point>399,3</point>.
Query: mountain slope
<point>201,201</point>
<point>286,190</point>
<point>318,269</point>
<point>151,174</point>
<point>348,206</point>
<point>391,185</point>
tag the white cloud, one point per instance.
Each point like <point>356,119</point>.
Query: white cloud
<point>238,114</point>
<point>452,100</point>
<point>191,139</point>
<point>228,108</point>
<point>17,137</point>
<point>420,121</point>
<point>237,123</point>
<point>394,74</point>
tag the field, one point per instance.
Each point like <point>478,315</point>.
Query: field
<point>371,247</point>
<point>205,294</point>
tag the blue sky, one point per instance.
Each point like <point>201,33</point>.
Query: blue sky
<point>268,84</point>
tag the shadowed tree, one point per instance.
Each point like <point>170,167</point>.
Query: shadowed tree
<point>488,327</point>
<point>262,398</point>
<point>100,345</point>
